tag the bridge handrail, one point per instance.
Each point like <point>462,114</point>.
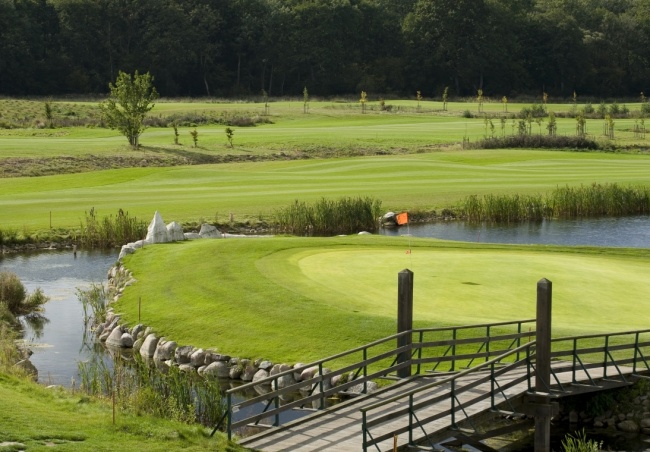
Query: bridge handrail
<point>598,335</point>
<point>479,325</point>
<point>460,374</point>
<point>361,365</point>
<point>365,347</point>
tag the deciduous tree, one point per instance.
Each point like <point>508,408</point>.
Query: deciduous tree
<point>130,100</point>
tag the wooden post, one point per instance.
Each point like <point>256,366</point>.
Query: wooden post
<point>543,363</point>
<point>404,318</point>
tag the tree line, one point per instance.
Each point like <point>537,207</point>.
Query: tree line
<point>333,47</point>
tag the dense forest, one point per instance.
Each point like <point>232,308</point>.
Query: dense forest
<point>599,48</point>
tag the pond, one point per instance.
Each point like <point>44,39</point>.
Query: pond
<point>57,343</point>
<point>633,232</point>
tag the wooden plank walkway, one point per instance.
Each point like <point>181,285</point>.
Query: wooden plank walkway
<point>339,428</point>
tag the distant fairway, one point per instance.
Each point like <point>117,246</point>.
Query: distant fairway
<point>295,299</point>
<point>254,190</point>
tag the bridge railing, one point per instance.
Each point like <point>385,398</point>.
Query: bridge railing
<point>615,354</point>
<point>609,352</point>
<point>452,348</point>
<point>406,405</point>
<point>437,347</point>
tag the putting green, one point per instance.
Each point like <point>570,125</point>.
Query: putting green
<point>306,298</point>
<point>592,293</point>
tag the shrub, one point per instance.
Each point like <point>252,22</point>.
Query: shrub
<point>467,114</point>
<point>12,291</point>
<point>535,111</point>
<point>524,140</point>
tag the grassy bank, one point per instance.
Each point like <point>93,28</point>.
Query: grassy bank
<point>253,191</point>
<point>37,418</point>
<point>293,299</point>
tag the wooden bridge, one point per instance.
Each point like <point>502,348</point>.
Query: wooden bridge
<point>443,379</point>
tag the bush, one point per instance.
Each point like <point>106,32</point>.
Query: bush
<point>12,291</point>
<point>535,111</point>
<point>467,114</point>
<point>523,140</point>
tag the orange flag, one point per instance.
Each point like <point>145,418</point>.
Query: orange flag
<point>402,218</point>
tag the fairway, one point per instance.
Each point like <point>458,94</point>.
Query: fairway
<point>253,191</point>
<point>296,298</point>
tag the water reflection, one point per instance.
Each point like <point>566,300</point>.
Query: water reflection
<point>633,232</point>
<point>56,335</point>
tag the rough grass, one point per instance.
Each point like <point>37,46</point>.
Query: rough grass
<point>293,299</point>
<point>42,419</point>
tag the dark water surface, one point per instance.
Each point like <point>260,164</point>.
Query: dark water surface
<point>633,232</point>
<point>58,346</point>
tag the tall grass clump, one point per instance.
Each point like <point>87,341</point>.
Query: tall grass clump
<point>10,354</point>
<point>94,301</point>
<point>110,231</point>
<point>596,200</point>
<point>143,387</point>
<point>580,443</point>
<point>329,217</point>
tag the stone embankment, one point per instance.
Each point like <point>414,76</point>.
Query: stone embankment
<point>143,339</point>
<point>629,415</point>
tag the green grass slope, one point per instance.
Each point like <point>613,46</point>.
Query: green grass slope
<point>297,299</point>
<point>254,190</point>
<point>42,419</point>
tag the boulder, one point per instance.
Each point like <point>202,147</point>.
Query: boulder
<point>389,219</point>
<point>136,330</point>
<point>157,231</point>
<point>137,345</point>
<point>265,365</point>
<point>115,338</point>
<point>149,346</point>
<point>197,358</point>
<point>283,382</point>
<point>235,372</point>
<point>192,235</point>
<point>297,374</point>
<point>175,232</point>
<point>126,249</point>
<point>628,426</point>
<point>127,340</point>
<point>308,373</point>
<point>218,369</point>
<point>187,368</point>
<point>371,386</point>
<point>365,233</point>
<point>182,354</point>
<point>209,232</point>
<point>165,350</point>
<point>249,372</point>
<point>261,374</point>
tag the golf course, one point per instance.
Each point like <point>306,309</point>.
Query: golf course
<point>296,299</point>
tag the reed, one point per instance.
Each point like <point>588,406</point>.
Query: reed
<point>143,387</point>
<point>329,217</point>
<point>596,200</point>
<point>110,231</point>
